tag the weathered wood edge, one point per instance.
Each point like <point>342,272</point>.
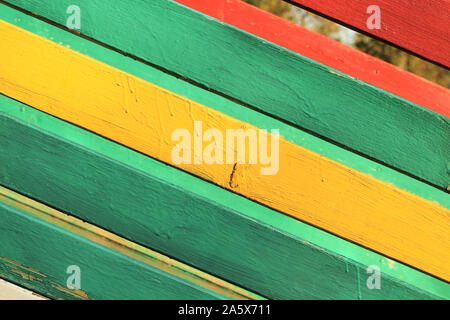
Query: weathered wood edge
<point>44,240</point>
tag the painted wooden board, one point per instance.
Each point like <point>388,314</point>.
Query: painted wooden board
<point>41,249</point>
<point>9,291</point>
<point>419,26</point>
<point>143,116</point>
<point>327,51</point>
<point>282,83</point>
<point>190,219</point>
<point>222,104</point>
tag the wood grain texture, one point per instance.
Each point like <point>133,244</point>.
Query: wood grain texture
<point>190,219</point>
<point>419,26</point>
<point>9,291</point>
<point>143,116</point>
<point>39,244</point>
<point>282,83</point>
<point>327,51</point>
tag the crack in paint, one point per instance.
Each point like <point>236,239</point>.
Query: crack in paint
<point>232,181</point>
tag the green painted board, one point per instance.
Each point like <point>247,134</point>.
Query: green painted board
<point>188,219</point>
<point>269,78</point>
<point>41,256</point>
<point>223,105</point>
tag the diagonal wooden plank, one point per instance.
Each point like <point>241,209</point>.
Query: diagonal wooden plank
<point>269,78</point>
<point>327,51</point>
<point>419,26</point>
<point>39,244</point>
<point>143,116</point>
<point>190,219</point>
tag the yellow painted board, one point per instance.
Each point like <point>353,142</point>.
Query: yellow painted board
<point>307,186</point>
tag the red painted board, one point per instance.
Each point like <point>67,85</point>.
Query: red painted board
<point>419,26</point>
<point>327,51</point>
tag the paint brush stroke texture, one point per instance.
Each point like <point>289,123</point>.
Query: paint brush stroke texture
<point>39,244</point>
<point>269,78</point>
<point>143,116</point>
<point>420,26</point>
<point>189,219</point>
<point>325,50</point>
<point>221,104</point>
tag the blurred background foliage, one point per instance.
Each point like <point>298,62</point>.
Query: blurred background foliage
<point>359,41</point>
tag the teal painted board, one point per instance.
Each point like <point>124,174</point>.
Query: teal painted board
<point>42,256</point>
<point>180,223</point>
<point>269,78</point>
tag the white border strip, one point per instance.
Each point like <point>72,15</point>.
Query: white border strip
<point>9,291</point>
